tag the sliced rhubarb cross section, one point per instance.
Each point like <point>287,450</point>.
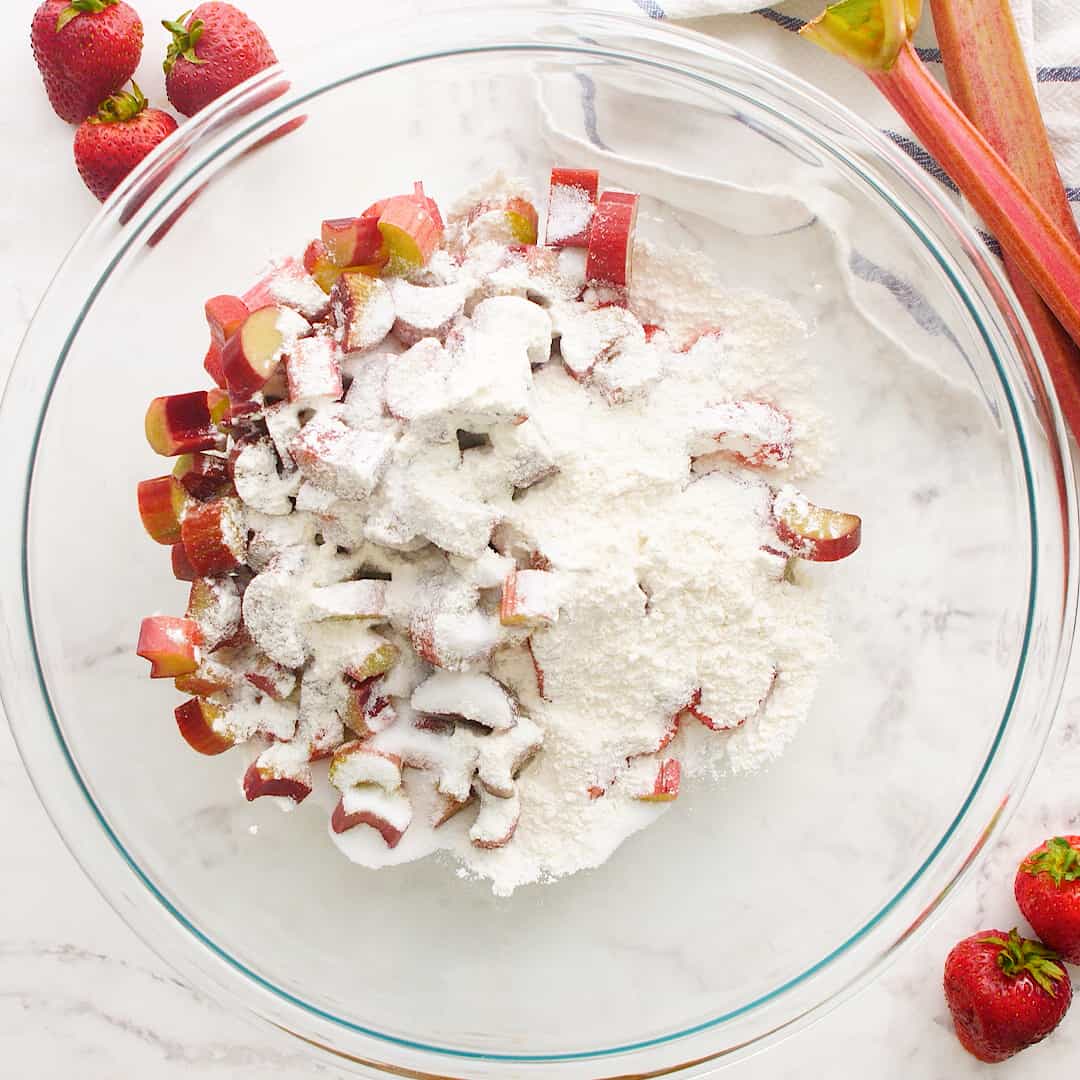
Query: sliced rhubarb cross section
<point>813,532</point>
<point>213,536</point>
<point>212,364</point>
<point>210,677</point>
<point>523,220</point>
<point>352,241</point>
<point>202,476</point>
<point>266,779</point>
<point>611,239</point>
<point>571,203</point>
<point>363,310</point>
<point>253,353</point>
<point>356,763</point>
<point>170,644</point>
<point>313,370</point>
<point>319,264</point>
<point>752,432</point>
<point>225,315</point>
<point>664,786</point>
<point>214,605</point>
<point>529,598</point>
<point>161,506</point>
<point>337,458</point>
<point>497,821</point>
<point>184,423</point>
<point>411,231</point>
<point>388,813</point>
<point>200,723</point>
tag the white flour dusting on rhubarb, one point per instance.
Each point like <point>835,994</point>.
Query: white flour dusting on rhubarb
<point>522,526</point>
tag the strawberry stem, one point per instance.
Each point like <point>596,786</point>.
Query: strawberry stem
<point>185,38</point>
<point>81,7</point>
<point>1020,956</point>
<point>1060,860</point>
<point>121,106</point>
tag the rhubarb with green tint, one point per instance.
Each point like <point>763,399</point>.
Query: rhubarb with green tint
<point>876,36</point>
<point>989,79</point>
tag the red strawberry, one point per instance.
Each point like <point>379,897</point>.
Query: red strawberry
<point>218,48</point>
<point>109,145</point>
<point>1004,992</point>
<point>1047,889</point>
<point>85,51</point>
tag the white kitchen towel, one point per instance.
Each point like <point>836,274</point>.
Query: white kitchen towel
<point>1049,29</point>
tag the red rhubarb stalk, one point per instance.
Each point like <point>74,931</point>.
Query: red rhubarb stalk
<point>876,36</point>
<point>989,79</point>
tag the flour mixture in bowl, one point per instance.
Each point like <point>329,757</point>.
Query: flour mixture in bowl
<point>504,533</point>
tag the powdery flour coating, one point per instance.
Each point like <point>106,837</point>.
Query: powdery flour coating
<point>538,532</point>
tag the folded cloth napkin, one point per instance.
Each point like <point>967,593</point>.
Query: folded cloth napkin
<point>1049,30</point>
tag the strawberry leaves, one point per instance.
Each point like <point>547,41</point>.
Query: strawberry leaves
<point>81,7</point>
<point>121,106</point>
<point>1060,860</point>
<point>185,38</point>
<point>1019,956</point>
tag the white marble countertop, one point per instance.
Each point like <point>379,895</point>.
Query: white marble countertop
<point>81,996</point>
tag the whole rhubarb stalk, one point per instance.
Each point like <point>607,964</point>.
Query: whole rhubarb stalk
<point>876,36</point>
<point>989,79</point>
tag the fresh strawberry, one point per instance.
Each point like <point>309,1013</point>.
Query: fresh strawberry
<point>1047,889</point>
<point>109,145</point>
<point>85,51</point>
<point>1004,992</point>
<point>217,48</point>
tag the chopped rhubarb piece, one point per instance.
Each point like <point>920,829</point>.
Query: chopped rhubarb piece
<point>364,600</point>
<point>225,315</point>
<point>208,678</point>
<point>389,814</point>
<point>200,724</point>
<point>203,476</point>
<point>340,459</point>
<point>812,532</point>
<point>313,368</point>
<point>181,564</point>
<point>260,781</point>
<point>319,264</point>
<point>183,423</point>
<point>253,353</point>
<point>410,231</point>
<point>258,481</point>
<point>449,808</point>
<point>214,605</point>
<point>523,220</point>
<point>214,537</point>
<point>428,202</point>
<point>352,241</point>
<point>424,312</point>
<point>376,660</point>
<point>288,284</point>
<point>170,644</point>
<point>212,364</point>
<point>571,204</point>
<point>161,506</point>
<point>611,239</point>
<point>529,598</point>
<point>651,330</point>
<point>271,679</point>
<point>356,763</point>
<point>665,783</point>
<point>473,695</point>
<point>497,821</point>
<point>366,711</point>
<point>270,614</point>
<point>363,310</point>
<point>598,336</point>
<point>752,432</point>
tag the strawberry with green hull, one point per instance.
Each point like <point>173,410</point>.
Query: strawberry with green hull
<point>109,144</point>
<point>1005,993</point>
<point>214,48</point>
<point>1047,889</point>
<point>85,51</point>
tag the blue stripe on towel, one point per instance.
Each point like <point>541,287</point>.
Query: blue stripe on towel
<point>588,110</point>
<point>1058,74</point>
<point>651,8</point>
<point>788,22</point>
<point>922,158</point>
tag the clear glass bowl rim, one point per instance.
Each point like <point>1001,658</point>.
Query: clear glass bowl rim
<point>145,197</point>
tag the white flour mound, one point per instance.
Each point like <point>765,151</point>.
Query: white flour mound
<point>666,593</point>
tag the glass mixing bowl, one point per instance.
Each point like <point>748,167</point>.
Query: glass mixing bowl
<point>753,904</point>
